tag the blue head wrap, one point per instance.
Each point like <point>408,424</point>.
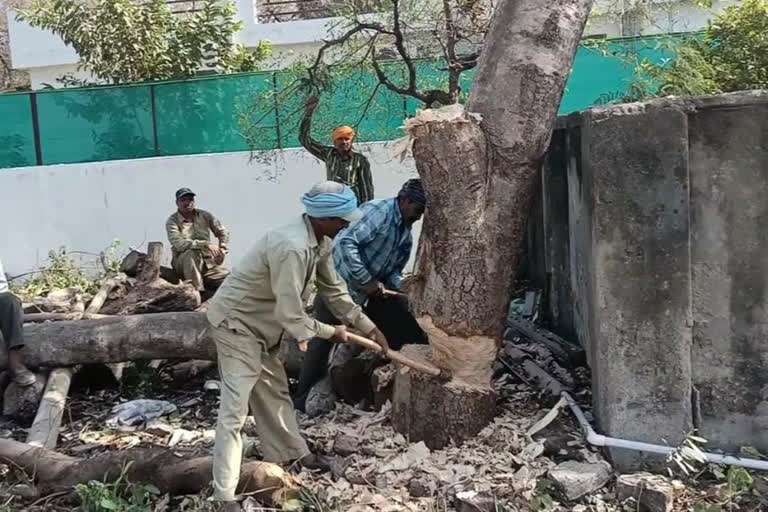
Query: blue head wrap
<point>331,199</point>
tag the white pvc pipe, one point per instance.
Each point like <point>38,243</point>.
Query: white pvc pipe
<point>596,439</point>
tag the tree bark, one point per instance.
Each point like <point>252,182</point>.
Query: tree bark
<point>479,170</point>
<point>181,335</point>
<point>169,472</point>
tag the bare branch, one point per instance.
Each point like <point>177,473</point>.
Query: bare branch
<point>450,49</point>
<point>400,45</point>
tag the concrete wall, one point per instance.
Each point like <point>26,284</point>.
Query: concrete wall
<point>85,206</point>
<point>666,258</point>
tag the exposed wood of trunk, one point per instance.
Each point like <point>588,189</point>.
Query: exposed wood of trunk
<point>169,472</point>
<point>479,178</point>
<point>44,431</point>
<point>181,335</point>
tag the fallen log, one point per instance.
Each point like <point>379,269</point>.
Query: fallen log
<point>161,467</point>
<point>117,339</point>
<point>44,431</point>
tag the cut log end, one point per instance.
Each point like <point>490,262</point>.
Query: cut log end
<point>425,409</point>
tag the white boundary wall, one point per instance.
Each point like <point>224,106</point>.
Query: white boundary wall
<point>83,207</point>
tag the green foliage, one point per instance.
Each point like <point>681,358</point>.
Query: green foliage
<point>730,55</point>
<point>115,497</point>
<point>122,41</point>
<point>63,272</point>
<point>738,46</point>
<point>542,499</point>
<point>739,480</point>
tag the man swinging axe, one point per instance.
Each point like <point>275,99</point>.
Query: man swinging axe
<point>259,303</point>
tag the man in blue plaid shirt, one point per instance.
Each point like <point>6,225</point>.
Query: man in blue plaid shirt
<point>370,256</point>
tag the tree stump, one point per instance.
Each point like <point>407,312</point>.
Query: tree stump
<point>152,294</point>
<point>134,261</point>
<point>425,409</point>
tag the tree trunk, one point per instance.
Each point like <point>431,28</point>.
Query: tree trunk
<point>169,472</point>
<point>479,173</point>
<point>180,335</point>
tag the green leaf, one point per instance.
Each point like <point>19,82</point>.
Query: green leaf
<point>739,479</point>
<point>108,504</point>
<point>293,505</point>
<point>151,489</point>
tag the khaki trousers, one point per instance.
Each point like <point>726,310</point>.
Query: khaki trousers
<point>251,374</point>
<point>197,266</point>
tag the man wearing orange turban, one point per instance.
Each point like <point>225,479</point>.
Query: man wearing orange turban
<point>342,163</point>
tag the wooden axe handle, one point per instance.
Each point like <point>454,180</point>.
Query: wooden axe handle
<point>395,356</point>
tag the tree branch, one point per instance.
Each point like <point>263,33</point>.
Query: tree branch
<point>450,50</point>
<point>400,45</point>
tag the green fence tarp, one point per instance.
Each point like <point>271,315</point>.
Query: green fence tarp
<point>17,139</point>
<point>201,116</point>
<point>87,125</point>
<point>254,110</point>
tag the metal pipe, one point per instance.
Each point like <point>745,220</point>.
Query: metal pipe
<point>596,439</point>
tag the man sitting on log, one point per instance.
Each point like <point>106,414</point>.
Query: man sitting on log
<point>259,303</point>
<point>11,327</point>
<point>195,258</point>
<point>370,256</point>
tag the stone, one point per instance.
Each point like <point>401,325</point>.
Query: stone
<point>345,445</point>
<point>577,479</point>
<point>321,398</point>
<point>418,487</point>
<point>653,493</point>
<point>473,501</point>
<point>22,403</point>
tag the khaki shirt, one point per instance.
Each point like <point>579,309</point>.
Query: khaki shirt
<point>265,294</point>
<point>195,234</point>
